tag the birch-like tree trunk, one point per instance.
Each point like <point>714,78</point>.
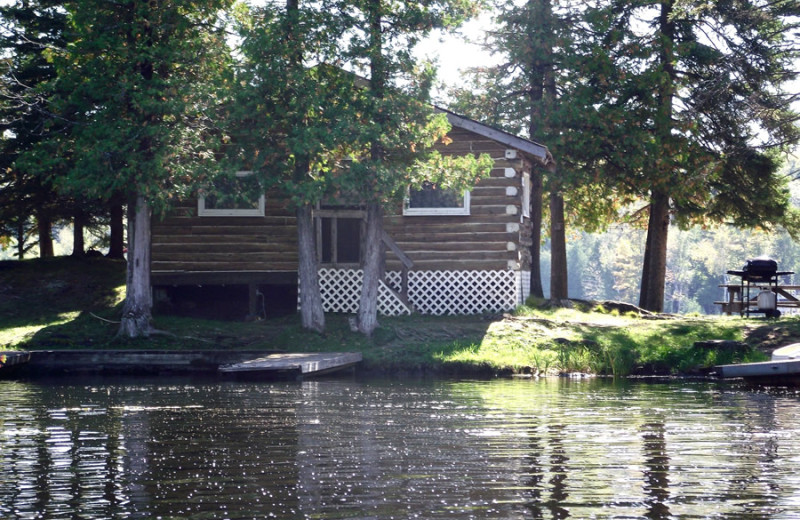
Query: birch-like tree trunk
<point>373,270</point>
<point>311,314</point>
<point>138,307</point>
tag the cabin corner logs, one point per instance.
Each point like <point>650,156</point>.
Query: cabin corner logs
<point>460,264</point>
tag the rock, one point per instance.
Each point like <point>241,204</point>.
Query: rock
<point>720,344</point>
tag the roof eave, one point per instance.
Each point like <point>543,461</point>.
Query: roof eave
<point>533,149</point>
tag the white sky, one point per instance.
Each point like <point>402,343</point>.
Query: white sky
<point>454,53</point>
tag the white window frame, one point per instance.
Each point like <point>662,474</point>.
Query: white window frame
<point>464,210</point>
<point>232,212</point>
<point>526,195</point>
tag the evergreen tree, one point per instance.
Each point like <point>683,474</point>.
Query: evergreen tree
<point>394,146</point>
<point>530,91</point>
<point>695,100</point>
<point>136,86</point>
<point>293,119</point>
<point>31,31</point>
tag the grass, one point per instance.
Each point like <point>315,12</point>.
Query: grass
<point>68,303</point>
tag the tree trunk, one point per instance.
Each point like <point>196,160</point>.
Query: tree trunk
<point>78,242</point>
<point>654,268</point>
<point>644,286</point>
<point>541,97</point>
<point>21,238</point>
<point>558,261</point>
<point>45,228</point>
<point>373,240</point>
<point>654,271</point>
<point>373,270</point>
<point>137,310</point>
<point>116,247</point>
<point>312,315</point>
<point>537,291</point>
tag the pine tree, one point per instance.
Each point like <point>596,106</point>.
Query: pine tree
<point>696,100</point>
<point>530,91</point>
<point>398,129</point>
<point>136,85</point>
<point>32,31</point>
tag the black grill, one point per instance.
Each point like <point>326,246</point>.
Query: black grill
<point>763,274</point>
<point>760,269</point>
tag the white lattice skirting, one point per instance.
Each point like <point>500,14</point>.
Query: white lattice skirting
<point>430,292</point>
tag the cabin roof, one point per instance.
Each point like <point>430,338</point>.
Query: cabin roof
<point>531,148</point>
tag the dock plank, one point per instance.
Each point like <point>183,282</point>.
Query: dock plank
<point>764,369</point>
<point>306,363</point>
<point>12,357</point>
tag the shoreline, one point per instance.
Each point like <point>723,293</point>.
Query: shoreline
<point>52,364</point>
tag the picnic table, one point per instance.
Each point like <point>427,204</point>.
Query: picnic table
<point>743,297</point>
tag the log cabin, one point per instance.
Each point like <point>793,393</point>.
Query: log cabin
<point>445,254</point>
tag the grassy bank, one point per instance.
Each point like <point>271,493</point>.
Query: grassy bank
<point>67,303</point>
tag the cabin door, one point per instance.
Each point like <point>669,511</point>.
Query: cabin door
<point>339,238</point>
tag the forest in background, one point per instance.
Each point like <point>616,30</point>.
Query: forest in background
<point>606,266</point>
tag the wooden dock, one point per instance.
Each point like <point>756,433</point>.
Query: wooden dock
<point>12,357</point>
<point>301,363</point>
<point>778,372</point>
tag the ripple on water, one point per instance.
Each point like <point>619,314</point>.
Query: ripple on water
<point>390,449</point>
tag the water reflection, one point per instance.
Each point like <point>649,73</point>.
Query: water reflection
<point>348,449</point>
<point>656,470</point>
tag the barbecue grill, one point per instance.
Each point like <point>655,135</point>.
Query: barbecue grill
<point>761,273</point>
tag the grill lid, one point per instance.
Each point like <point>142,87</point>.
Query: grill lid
<point>761,266</point>
<point>761,269</point>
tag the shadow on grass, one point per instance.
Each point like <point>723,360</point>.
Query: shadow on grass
<point>45,291</point>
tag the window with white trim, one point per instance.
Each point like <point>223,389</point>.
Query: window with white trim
<point>238,195</point>
<point>433,200</point>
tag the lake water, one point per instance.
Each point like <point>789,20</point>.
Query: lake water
<point>341,449</point>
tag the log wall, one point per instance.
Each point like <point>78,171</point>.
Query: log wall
<point>189,249</point>
<point>184,243</point>
<point>492,237</point>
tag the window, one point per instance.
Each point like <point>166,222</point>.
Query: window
<point>238,195</point>
<point>340,240</point>
<point>432,200</point>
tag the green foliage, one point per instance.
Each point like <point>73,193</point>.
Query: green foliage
<point>604,266</point>
<point>30,30</point>
<point>295,109</point>
<point>397,127</point>
<point>700,134</point>
<point>139,84</point>
<point>531,92</point>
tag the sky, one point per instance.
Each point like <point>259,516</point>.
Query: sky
<point>457,52</point>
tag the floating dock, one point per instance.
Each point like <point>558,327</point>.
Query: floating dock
<point>304,364</point>
<point>42,363</point>
<point>12,357</point>
<point>778,372</point>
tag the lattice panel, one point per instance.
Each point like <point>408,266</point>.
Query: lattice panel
<point>430,292</point>
<point>463,292</point>
<point>524,285</point>
<point>341,291</point>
